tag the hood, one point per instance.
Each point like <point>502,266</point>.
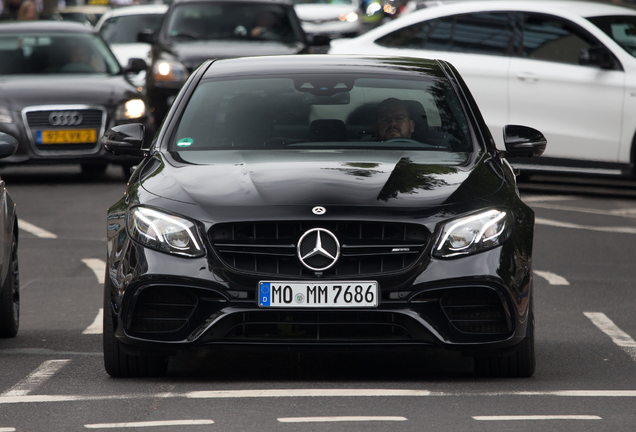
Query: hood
<point>192,54</point>
<point>322,12</point>
<point>21,91</point>
<point>334,178</point>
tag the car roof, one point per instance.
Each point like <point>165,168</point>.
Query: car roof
<point>581,8</point>
<point>148,9</point>
<point>45,26</point>
<point>317,63</point>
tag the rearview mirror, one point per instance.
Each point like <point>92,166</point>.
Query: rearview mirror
<point>596,56</point>
<point>147,36</point>
<point>135,65</point>
<point>127,139</point>
<point>8,145</point>
<point>523,141</point>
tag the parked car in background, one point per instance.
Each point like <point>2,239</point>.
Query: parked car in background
<point>60,89</point>
<point>120,29</point>
<point>9,268</point>
<point>564,67</point>
<point>279,207</point>
<point>336,19</point>
<point>196,30</point>
<point>85,14</point>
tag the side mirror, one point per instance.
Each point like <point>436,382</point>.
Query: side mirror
<point>126,139</point>
<point>147,36</point>
<point>135,65</point>
<point>596,56</point>
<point>523,141</point>
<point>8,145</point>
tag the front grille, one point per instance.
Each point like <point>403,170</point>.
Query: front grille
<point>476,310</point>
<point>37,120</point>
<point>318,326</point>
<point>367,248</point>
<point>163,309</point>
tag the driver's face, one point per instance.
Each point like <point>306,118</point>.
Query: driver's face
<point>394,122</point>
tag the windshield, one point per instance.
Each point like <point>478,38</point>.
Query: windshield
<point>242,21</point>
<point>621,28</point>
<point>124,29</point>
<point>323,112</point>
<point>55,53</point>
<point>338,2</point>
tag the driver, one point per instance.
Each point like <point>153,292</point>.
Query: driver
<point>393,120</point>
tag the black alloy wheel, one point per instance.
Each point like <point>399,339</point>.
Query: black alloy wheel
<point>10,296</point>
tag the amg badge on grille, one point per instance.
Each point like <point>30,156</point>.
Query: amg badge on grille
<point>318,249</point>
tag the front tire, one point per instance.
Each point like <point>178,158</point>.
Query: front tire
<point>117,363</point>
<point>10,296</point>
<point>519,365</point>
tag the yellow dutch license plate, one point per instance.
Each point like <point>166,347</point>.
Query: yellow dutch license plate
<point>69,136</point>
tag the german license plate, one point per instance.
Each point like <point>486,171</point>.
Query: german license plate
<point>331,294</point>
<point>68,136</point>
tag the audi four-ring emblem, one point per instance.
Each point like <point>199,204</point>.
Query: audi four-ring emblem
<point>65,118</point>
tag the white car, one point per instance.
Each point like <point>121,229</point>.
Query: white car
<point>566,68</point>
<point>120,27</point>
<point>341,18</point>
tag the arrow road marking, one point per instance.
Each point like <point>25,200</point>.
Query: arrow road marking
<point>36,231</point>
<point>37,377</point>
<point>552,278</point>
<point>619,337</point>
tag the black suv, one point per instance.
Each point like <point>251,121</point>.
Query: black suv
<point>197,30</point>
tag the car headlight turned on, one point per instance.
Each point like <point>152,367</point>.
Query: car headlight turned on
<point>164,232</point>
<point>169,71</point>
<point>350,17</point>
<point>474,233</point>
<point>132,109</point>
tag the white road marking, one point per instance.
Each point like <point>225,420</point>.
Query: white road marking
<point>611,229</point>
<point>97,326</point>
<point>36,231</point>
<point>37,377</point>
<point>148,424</point>
<point>292,393</point>
<point>537,417</point>
<point>98,266</point>
<point>7,429</point>
<point>543,198</point>
<point>619,337</point>
<point>552,278</point>
<point>339,419</point>
<point>629,213</point>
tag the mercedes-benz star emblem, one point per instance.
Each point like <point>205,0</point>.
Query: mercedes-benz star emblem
<point>319,210</point>
<point>318,249</point>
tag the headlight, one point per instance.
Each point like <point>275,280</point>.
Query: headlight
<point>474,233</point>
<point>5,115</point>
<point>350,17</point>
<point>167,70</point>
<point>132,109</point>
<point>164,232</point>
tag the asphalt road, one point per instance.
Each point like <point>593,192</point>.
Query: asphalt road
<point>52,377</point>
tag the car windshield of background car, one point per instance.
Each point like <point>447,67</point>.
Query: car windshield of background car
<point>621,28</point>
<point>124,29</point>
<point>325,112</point>
<point>55,53</point>
<point>232,21</point>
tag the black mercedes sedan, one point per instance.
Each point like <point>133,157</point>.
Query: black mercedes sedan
<point>324,202</point>
<point>197,30</point>
<point>61,88</point>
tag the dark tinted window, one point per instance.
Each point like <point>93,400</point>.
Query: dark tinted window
<point>553,39</point>
<point>621,28</point>
<point>483,33</point>
<point>124,29</point>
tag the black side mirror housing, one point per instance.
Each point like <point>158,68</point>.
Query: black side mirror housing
<point>596,56</point>
<point>147,36</point>
<point>8,145</point>
<point>319,40</point>
<point>126,139</point>
<point>523,141</point>
<point>135,65</point>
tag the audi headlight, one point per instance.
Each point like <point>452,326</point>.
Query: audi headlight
<point>164,232</point>
<point>5,115</point>
<point>132,109</point>
<point>474,233</point>
<point>169,71</point>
